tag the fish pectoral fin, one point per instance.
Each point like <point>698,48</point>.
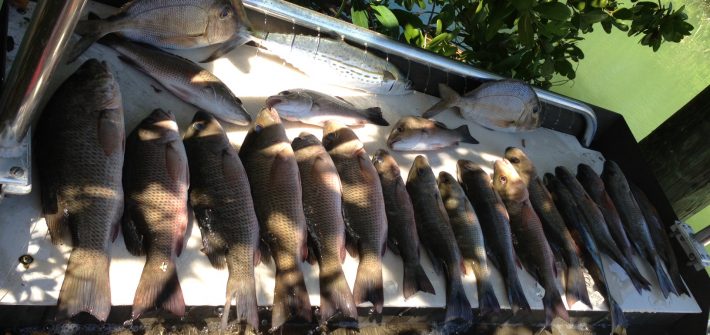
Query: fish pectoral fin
<point>392,245</point>
<point>351,241</point>
<point>231,166</point>
<point>211,244</point>
<point>343,100</point>
<point>111,134</point>
<point>314,246</point>
<point>176,162</point>
<point>226,47</point>
<point>264,252</point>
<point>131,226</point>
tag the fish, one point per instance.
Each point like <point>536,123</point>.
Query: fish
<point>402,237</point>
<point>220,197</point>
<point>438,238</point>
<point>553,225</point>
<point>469,237</point>
<point>335,62</point>
<point>183,78</point>
<point>583,236</point>
<point>533,248</point>
<point>660,237</point>
<point>594,186</point>
<point>363,209</point>
<point>413,133</point>
<point>170,24</point>
<point>495,224</point>
<point>595,223</point>
<point>315,108</point>
<point>635,223</point>
<point>323,207</point>
<point>156,177</point>
<point>502,105</point>
<point>276,190</point>
<point>80,152</point>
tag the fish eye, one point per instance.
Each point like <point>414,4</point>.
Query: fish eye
<point>400,129</point>
<point>285,93</point>
<point>535,110</point>
<point>514,160</point>
<point>198,126</point>
<point>503,179</point>
<point>226,11</point>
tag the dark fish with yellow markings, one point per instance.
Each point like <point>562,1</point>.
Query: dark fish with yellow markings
<point>533,248</point>
<point>413,133</point>
<point>80,153</point>
<point>402,238</point>
<point>438,238</point>
<point>276,189</point>
<point>495,225</point>
<point>635,223</point>
<point>316,108</point>
<point>156,178</point>
<point>323,207</point>
<point>221,199</point>
<point>553,224</point>
<point>469,237</point>
<point>364,210</point>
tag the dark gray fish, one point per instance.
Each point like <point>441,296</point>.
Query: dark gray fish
<point>323,207</point>
<point>402,238</point>
<point>80,150</point>
<point>438,238</point>
<point>220,196</point>
<point>553,224</point>
<point>364,209</point>
<point>533,248</point>
<point>156,178</point>
<point>469,237</point>
<point>635,223</point>
<point>496,228</point>
<point>276,189</point>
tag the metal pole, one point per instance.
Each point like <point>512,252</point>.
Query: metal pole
<point>703,236</point>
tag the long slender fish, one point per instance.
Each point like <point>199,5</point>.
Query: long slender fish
<point>276,189</point>
<point>220,196</point>
<point>183,78</point>
<point>572,215</point>
<point>315,108</point>
<point>336,62</point>
<point>660,237</point>
<point>413,133</point>
<point>323,206</point>
<point>635,223</point>
<point>402,238</point>
<point>438,238</point>
<point>170,24</point>
<point>469,237</point>
<point>156,179</point>
<point>533,248</point>
<point>364,210</point>
<point>80,153</point>
<point>594,221</point>
<point>553,224</point>
<point>496,228</point>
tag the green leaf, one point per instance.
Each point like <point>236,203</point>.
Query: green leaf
<point>439,26</point>
<point>523,5</point>
<point>623,14</point>
<point>598,3</point>
<point>405,17</point>
<point>410,32</point>
<point>385,16</point>
<point>606,24</point>
<point>526,35</point>
<point>553,11</point>
<point>443,37</point>
<point>593,16</point>
<point>359,17</point>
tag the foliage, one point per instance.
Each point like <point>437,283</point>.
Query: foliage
<point>530,40</point>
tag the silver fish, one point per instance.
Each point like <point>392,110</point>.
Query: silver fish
<point>315,108</point>
<point>413,133</point>
<point>504,105</point>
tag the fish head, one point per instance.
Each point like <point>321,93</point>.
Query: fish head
<point>507,181</point>
<point>160,124</point>
<point>385,165</point>
<point>96,77</point>
<point>530,117</point>
<point>410,133</point>
<point>227,107</point>
<point>612,172</point>
<point>291,103</point>
<point>227,19</point>
<point>521,163</point>
<point>451,191</point>
<point>203,125</point>
<point>339,138</point>
<point>421,172</point>
<point>589,178</point>
<point>305,140</point>
<point>468,171</point>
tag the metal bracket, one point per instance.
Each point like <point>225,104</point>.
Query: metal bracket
<point>16,171</point>
<point>695,251</point>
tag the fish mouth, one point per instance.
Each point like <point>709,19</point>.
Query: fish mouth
<point>273,101</point>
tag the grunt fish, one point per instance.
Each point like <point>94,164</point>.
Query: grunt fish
<point>276,189</point>
<point>221,199</point>
<point>469,237</point>
<point>80,153</point>
<point>323,207</point>
<point>402,238</point>
<point>533,248</point>
<point>364,210</point>
<point>315,108</point>
<point>170,24</point>
<point>495,226</point>
<point>156,178</point>
<point>504,105</point>
<point>438,238</point>
<point>413,133</point>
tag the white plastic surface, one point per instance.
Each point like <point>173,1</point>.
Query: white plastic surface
<point>252,76</point>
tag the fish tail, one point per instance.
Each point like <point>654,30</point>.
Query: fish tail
<point>554,307</point>
<point>466,135</point>
<point>487,301</point>
<point>678,283</point>
<point>90,31</point>
<point>415,279</point>
<point>337,305</point>
<point>86,286</point>
<point>618,320</point>
<point>576,286</point>
<point>516,295</point>
<point>637,279</point>
<point>244,292</point>
<point>457,306</point>
<point>290,299</point>
<point>159,286</point>
<point>374,115</point>
<point>667,286</point>
<point>449,99</point>
<point>368,282</point>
